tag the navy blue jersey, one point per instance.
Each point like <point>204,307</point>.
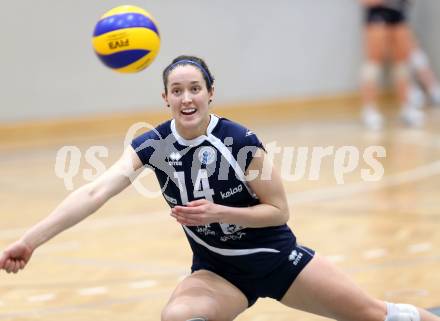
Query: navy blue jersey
<point>213,167</point>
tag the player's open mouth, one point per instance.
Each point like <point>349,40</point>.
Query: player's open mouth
<point>188,111</point>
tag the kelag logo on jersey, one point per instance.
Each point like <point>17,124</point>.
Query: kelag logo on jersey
<point>231,191</point>
<point>207,155</point>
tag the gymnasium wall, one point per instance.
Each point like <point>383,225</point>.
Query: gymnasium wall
<point>257,50</point>
<point>426,21</point>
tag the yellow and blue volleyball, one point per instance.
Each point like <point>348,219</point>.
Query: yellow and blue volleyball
<point>126,39</point>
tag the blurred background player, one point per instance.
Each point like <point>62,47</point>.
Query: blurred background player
<point>425,80</point>
<point>387,38</point>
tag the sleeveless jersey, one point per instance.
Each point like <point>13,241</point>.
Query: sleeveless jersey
<point>213,167</point>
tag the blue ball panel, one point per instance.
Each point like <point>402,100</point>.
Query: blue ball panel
<point>123,58</point>
<point>125,20</point>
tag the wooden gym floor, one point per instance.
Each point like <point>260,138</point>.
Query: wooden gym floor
<point>124,261</point>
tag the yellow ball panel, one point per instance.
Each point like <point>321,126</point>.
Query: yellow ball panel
<point>126,39</point>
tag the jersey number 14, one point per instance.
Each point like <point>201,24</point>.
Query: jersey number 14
<point>201,186</point>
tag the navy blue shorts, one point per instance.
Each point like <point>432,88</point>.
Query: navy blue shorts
<point>274,284</point>
<point>378,14</point>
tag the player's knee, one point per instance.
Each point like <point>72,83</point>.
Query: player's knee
<point>400,72</point>
<point>402,312</point>
<point>184,312</point>
<point>370,72</point>
<point>419,60</point>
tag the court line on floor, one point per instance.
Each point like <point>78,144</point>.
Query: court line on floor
<point>42,297</point>
<point>420,247</point>
<point>374,254</point>
<point>98,290</point>
<point>143,284</point>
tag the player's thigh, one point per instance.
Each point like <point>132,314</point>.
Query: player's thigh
<point>402,42</point>
<point>207,295</point>
<point>321,288</point>
<point>376,42</point>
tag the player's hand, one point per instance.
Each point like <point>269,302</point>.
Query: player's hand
<point>198,212</point>
<point>15,257</point>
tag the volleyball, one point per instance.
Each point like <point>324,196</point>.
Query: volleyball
<point>126,39</point>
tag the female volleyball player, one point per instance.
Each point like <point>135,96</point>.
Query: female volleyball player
<point>424,77</point>
<point>231,204</point>
<point>387,35</point>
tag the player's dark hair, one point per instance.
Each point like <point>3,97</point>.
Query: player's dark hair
<point>183,60</point>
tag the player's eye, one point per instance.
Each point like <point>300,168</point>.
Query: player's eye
<point>196,89</point>
<point>176,91</point>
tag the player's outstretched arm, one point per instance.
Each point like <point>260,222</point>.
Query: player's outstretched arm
<point>73,209</point>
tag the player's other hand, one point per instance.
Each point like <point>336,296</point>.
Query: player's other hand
<point>198,212</point>
<point>15,257</point>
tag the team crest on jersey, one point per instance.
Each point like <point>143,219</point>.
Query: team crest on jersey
<point>207,155</point>
<point>174,159</point>
<point>230,228</point>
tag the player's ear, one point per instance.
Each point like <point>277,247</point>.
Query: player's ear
<point>211,94</point>
<point>164,97</point>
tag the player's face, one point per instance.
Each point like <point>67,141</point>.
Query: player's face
<point>188,98</point>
